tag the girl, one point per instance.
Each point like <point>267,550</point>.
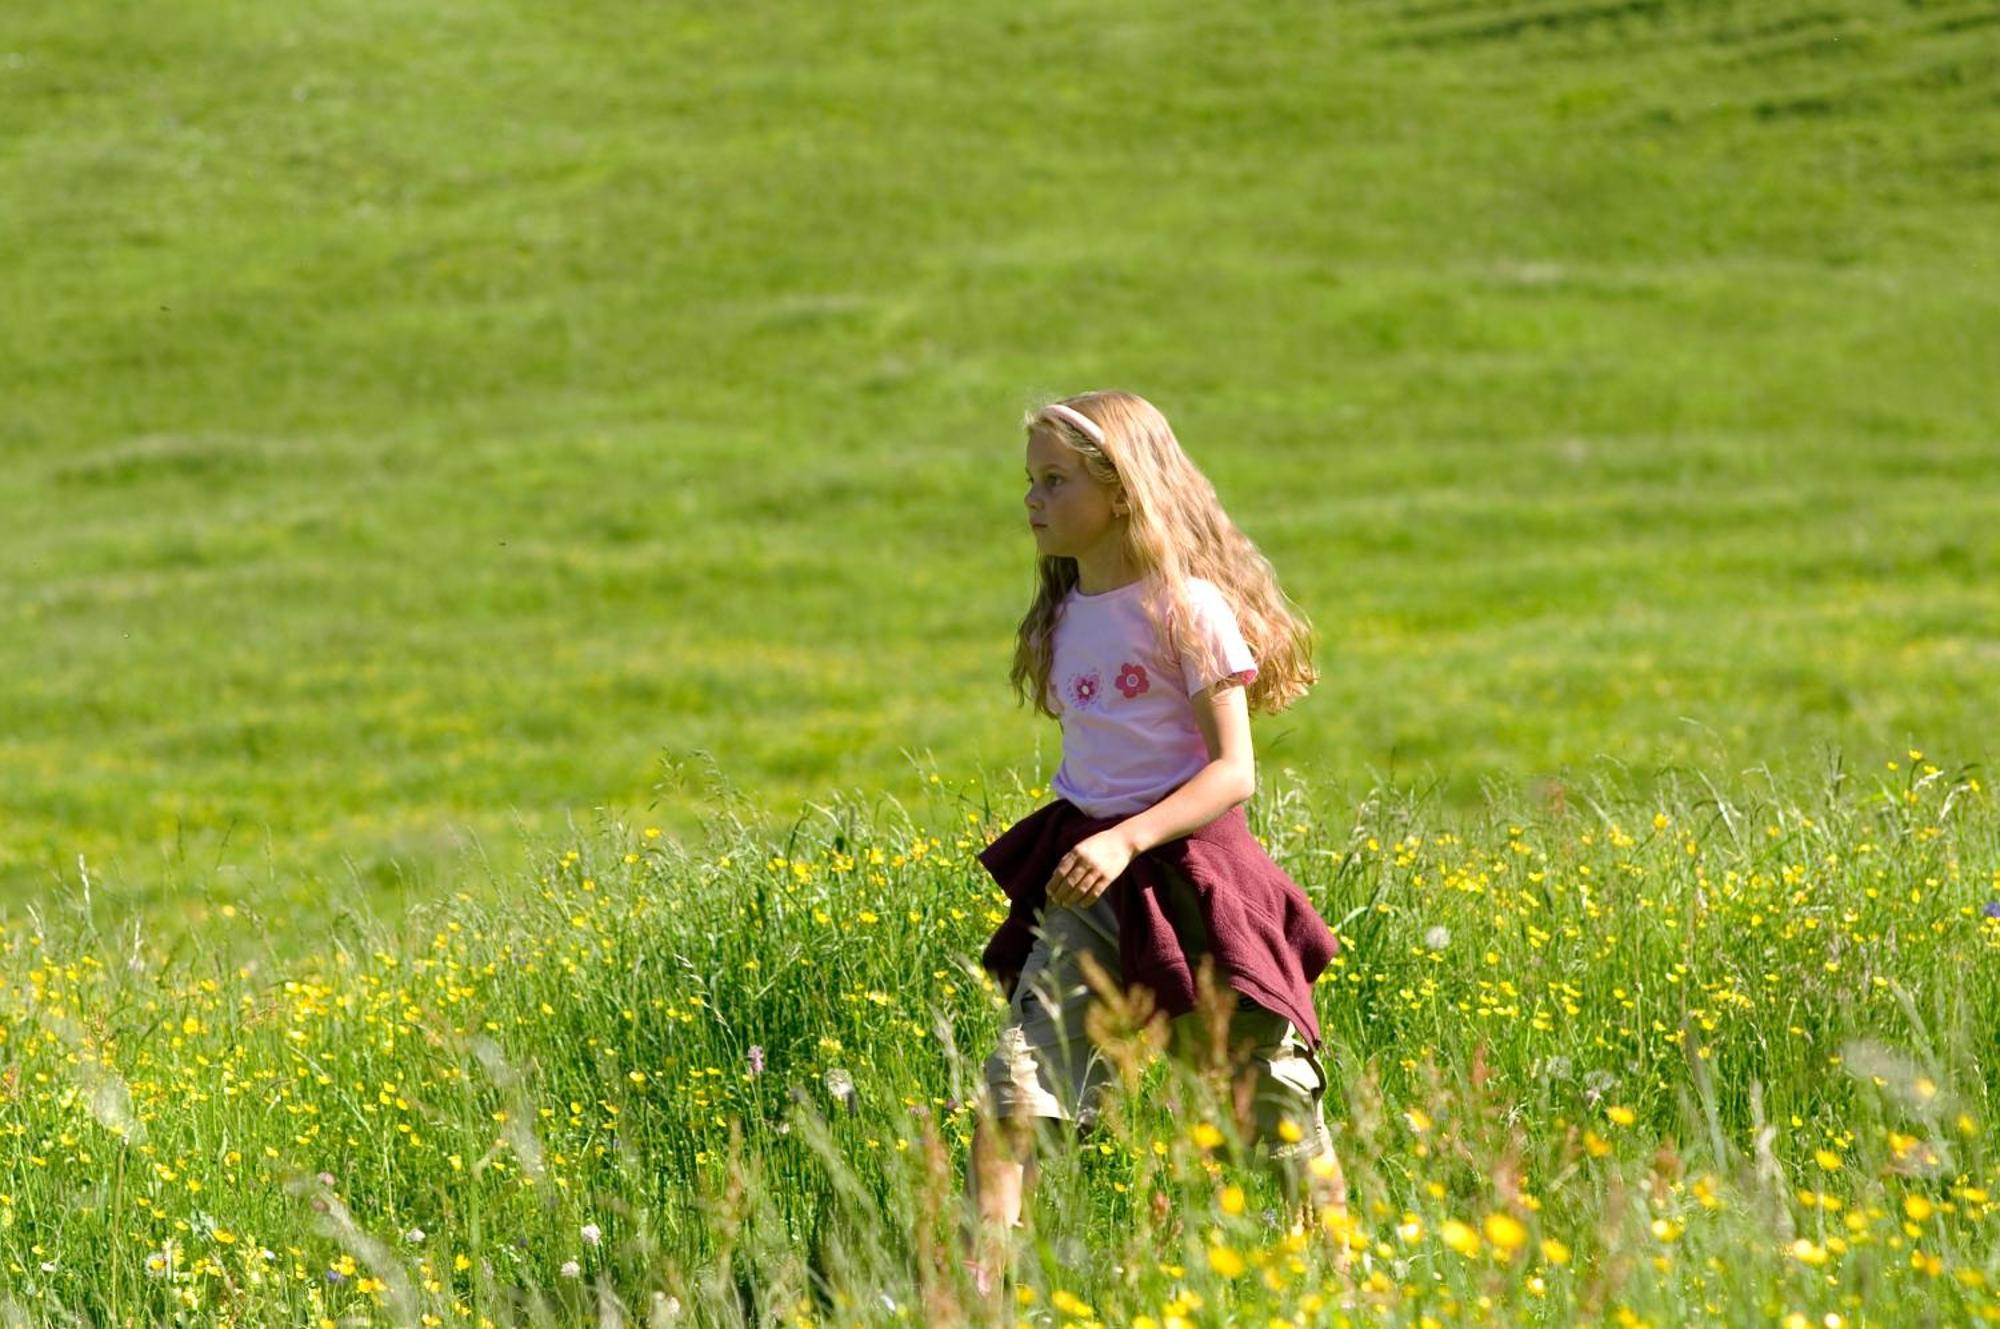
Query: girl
<point>1157,626</point>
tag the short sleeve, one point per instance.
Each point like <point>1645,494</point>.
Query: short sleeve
<point>1214,625</point>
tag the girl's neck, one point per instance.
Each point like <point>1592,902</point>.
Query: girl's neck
<point>1108,590</point>
<point>1085,587</point>
<point>1100,581</point>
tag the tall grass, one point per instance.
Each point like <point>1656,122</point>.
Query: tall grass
<point>1725,1056</point>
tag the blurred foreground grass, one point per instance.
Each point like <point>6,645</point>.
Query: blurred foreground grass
<point>1718,1056</point>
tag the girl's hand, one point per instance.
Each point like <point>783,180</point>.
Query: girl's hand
<point>1087,871</point>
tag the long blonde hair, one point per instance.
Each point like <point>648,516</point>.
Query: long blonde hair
<point>1176,530</point>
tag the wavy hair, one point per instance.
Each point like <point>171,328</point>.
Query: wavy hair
<point>1176,530</point>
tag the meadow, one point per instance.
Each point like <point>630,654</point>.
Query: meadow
<point>431,427</point>
<point>509,550</point>
<point>1722,1057</point>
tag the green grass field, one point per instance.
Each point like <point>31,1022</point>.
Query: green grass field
<point>1722,1057</point>
<point>509,552</point>
<point>426,425</point>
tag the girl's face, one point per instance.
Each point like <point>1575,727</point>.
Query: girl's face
<point>1071,514</point>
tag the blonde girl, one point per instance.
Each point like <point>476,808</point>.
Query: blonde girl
<point>1156,628</point>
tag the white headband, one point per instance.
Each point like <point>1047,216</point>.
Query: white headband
<point>1077,418</point>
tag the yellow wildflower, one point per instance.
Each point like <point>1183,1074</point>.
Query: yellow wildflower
<point>1459,1237</point>
<point>1506,1233</point>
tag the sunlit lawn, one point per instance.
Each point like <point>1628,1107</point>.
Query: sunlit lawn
<point>422,418</point>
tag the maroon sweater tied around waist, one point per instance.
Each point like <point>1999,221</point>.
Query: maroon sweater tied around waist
<point>1266,938</point>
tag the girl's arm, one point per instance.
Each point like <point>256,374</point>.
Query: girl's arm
<point>1222,713</point>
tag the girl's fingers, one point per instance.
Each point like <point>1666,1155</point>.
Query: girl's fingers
<point>1075,891</point>
<point>1072,884</point>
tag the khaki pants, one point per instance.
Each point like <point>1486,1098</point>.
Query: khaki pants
<point>1046,1066</point>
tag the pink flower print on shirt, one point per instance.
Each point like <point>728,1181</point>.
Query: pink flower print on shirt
<point>1083,689</point>
<point>1132,679</point>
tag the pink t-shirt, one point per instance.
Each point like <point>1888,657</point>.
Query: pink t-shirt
<point>1129,735</point>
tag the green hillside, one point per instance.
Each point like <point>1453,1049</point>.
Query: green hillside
<point>424,421</point>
